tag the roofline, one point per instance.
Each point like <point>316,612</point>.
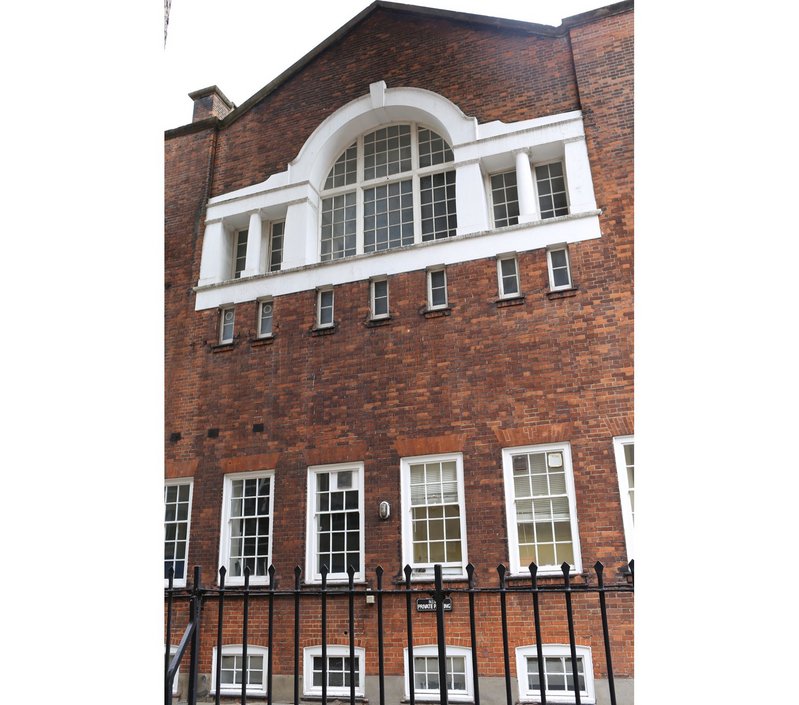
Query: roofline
<point>484,20</point>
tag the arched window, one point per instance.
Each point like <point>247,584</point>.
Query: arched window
<point>389,188</point>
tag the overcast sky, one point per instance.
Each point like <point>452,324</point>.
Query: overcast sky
<point>241,45</point>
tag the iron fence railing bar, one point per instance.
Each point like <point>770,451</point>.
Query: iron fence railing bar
<point>441,638</point>
<point>351,616</point>
<point>599,568</point>
<point>504,615</point>
<point>297,574</point>
<point>168,684</point>
<point>219,622</point>
<point>245,666</point>
<point>271,636</point>
<point>194,618</point>
<point>473,635</point>
<point>572,645</point>
<point>538,643</point>
<point>380,654</point>
<point>409,622</point>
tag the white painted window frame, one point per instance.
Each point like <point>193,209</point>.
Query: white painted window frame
<point>266,301</point>
<point>550,267</point>
<point>236,649</point>
<point>619,442</point>
<point>224,533</point>
<point>434,695</point>
<point>320,292</point>
<point>414,175</point>
<point>534,696</point>
<point>223,340</point>
<point>510,507</point>
<point>174,483</point>
<point>511,256</point>
<point>492,202</point>
<point>430,305</point>
<point>549,162</point>
<point>312,575</point>
<point>334,651</point>
<point>236,273</point>
<point>372,286</point>
<point>424,572</point>
<point>266,267</point>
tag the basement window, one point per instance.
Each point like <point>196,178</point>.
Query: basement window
<point>559,684</point>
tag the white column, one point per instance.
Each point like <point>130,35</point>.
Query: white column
<point>215,261</point>
<point>252,265</point>
<point>528,203</point>
<point>471,203</point>
<point>578,176</point>
<point>300,236</point>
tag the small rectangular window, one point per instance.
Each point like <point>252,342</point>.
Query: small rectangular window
<point>559,684</point>
<point>436,288</point>
<point>508,274</point>
<point>239,253</point>
<point>426,683</point>
<point>551,186</point>
<point>624,450</point>
<point>559,270</point>
<point>226,319</point>
<point>340,671</point>
<point>335,521</point>
<point>265,318</point>
<point>324,308</point>
<point>276,247</point>
<point>232,670</point>
<point>505,199</point>
<point>378,290</point>
<point>177,515</point>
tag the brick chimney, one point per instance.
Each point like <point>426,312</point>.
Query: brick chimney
<point>210,102</point>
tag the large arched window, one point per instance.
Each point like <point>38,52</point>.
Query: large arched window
<point>389,188</point>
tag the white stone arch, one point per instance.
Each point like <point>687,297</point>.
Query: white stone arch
<point>383,106</point>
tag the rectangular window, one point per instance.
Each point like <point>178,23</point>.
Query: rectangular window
<point>335,521</point>
<point>508,275</point>
<point>265,318</point>
<point>340,671</point>
<point>437,195</point>
<point>388,216</point>
<point>324,308</point>
<point>434,520</point>
<point>559,270</point>
<point>378,298</point>
<point>436,288</point>
<point>177,518</point>
<point>338,226</point>
<point>276,247</point>
<point>540,504</point>
<point>246,535</point>
<point>624,450</point>
<point>233,672</point>
<point>239,253</point>
<point>227,316</point>
<point>426,679</point>
<point>559,683</point>
<point>505,199</point>
<point>551,186</point>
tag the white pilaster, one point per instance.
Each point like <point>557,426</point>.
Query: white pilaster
<point>528,204</point>
<point>471,203</point>
<point>216,255</point>
<point>252,265</point>
<point>300,236</point>
<point>578,176</point>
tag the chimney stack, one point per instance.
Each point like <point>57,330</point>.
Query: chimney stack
<point>210,102</point>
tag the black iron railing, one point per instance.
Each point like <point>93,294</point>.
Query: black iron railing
<point>196,595</point>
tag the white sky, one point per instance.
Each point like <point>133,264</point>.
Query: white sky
<point>241,45</point>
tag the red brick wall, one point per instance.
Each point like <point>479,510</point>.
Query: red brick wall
<point>478,380</point>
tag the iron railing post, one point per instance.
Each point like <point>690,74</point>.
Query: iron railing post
<point>473,634</point>
<point>598,567</point>
<point>380,655</point>
<point>409,626</point>
<point>565,567</point>
<point>167,681</point>
<point>351,615</point>
<point>297,573</point>
<point>219,620</point>
<point>194,617</point>
<point>504,613</point>
<point>441,639</point>
<point>270,643</point>
<point>539,651</point>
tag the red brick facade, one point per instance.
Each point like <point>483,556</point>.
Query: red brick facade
<point>555,368</point>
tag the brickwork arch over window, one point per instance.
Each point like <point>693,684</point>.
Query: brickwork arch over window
<point>392,187</point>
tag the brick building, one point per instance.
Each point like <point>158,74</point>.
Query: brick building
<point>399,330</point>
